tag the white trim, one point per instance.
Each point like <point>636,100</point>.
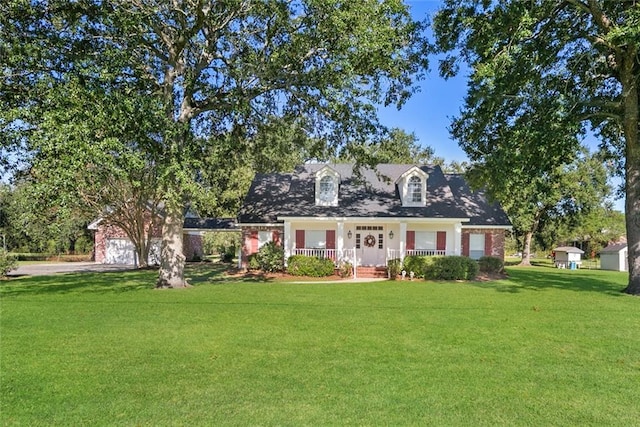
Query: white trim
<point>379,219</point>
<point>260,224</point>
<point>94,225</point>
<point>487,227</point>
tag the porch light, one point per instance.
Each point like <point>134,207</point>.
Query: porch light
<point>391,234</point>
<point>349,234</point>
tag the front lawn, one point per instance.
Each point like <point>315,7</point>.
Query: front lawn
<point>544,347</point>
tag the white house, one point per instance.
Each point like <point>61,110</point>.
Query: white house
<point>615,257</point>
<point>367,218</point>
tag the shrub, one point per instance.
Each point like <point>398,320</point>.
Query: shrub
<point>418,264</point>
<point>226,257</point>
<point>345,269</point>
<point>490,264</point>
<point>302,265</point>
<point>7,263</point>
<point>270,257</point>
<point>252,262</point>
<point>452,268</point>
<point>394,267</point>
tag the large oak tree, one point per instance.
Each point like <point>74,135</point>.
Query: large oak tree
<point>542,73</point>
<point>217,67</point>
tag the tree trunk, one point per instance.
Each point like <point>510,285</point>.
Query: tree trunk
<point>172,257</point>
<point>526,251</point>
<point>630,96</point>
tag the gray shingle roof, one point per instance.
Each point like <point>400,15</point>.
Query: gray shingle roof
<point>210,223</point>
<point>617,247</point>
<point>372,194</point>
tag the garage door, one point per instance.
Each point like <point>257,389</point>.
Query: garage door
<point>122,251</point>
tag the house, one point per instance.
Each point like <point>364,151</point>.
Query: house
<point>615,257</point>
<point>113,246</point>
<point>367,218</point>
<point>568,257</point>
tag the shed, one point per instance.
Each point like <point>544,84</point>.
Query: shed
<point>615,257</point>
<point>568,257</point>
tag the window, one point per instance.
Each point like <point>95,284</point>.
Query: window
<point>327,189</point>
<point>476,246</point>
<point>415,189</point>
<point>264,237</point>
<point>316,239</point>
<point>425,240</point>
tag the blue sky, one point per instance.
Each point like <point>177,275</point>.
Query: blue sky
<point>428,113</point>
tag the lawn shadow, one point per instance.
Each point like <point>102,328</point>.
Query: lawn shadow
<point>221,273</point>
<point>539,278</point>
<point>67,283</point>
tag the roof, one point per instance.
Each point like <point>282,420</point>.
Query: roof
<point>614,248</point>
<point>569,249</point>
<point>373,193</point>
<point>210,223</point>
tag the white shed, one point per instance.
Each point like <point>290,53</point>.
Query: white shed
<point>615,257</point>
<point>568,257</point>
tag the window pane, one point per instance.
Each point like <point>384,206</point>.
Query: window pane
<point>425,240</point>
<point>415,189</point>
<point>264,237</point>
<point>315,238</point>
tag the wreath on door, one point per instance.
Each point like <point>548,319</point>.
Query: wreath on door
<point>370,241</point>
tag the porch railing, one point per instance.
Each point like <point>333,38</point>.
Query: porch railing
<point>316,252</point>
<point>397,253</point>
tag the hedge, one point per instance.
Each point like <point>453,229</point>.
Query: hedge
<point>449,267</point>
<point>452,268</point>
<point>303,265</point>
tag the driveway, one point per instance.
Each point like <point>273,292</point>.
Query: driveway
<point>66,267</point>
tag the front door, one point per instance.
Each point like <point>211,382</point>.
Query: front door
<point>370,245</point>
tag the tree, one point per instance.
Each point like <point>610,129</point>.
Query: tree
<point>551,67</point>
<point>222,66</point>
<point>396,146</point>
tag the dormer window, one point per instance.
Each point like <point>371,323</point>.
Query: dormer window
<point>327,181</point>
<point>415,189</point>
<point>327,189</point>
<point>412,186</point>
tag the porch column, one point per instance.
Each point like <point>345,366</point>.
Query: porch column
<point>287,241</point>
<point>403,240</point>
<point>457,239</point>
<point>340,239</point>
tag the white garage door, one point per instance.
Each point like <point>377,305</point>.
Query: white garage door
<point>122,251</point>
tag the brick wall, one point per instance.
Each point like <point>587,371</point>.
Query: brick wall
<point>249,245</point>
<point>497,239</point>
<point>192,247</point>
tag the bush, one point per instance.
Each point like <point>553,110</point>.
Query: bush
<point>418,264</point>
<point>7,263</point>
<point>394,267</point>
<point>270,257</point>
<point>345,269</point>
<point>252,262</point>
<point>490,264</point>
<point>452,268</point>
<point>226,257</point>
<point>302,265</point>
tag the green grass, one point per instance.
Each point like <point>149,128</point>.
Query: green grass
<point>543,347</point>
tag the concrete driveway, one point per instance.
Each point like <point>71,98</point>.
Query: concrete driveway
<point>66,267</point>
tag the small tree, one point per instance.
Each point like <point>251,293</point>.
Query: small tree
<point>7,263</point>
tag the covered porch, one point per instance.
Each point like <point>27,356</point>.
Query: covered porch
<point>371,241</point>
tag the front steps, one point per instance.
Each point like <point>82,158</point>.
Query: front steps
<point>371,272</point>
